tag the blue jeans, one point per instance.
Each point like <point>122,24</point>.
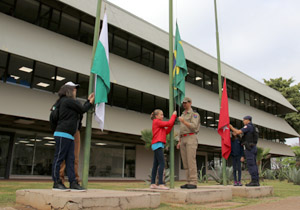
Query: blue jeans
<point>236,164</point>
<point>64,150</point>
<point>251,163</point>
<point>158,162</point>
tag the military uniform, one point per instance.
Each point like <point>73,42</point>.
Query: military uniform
<point>189,144</point>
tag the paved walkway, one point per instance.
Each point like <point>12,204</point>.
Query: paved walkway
<point>291,203</point>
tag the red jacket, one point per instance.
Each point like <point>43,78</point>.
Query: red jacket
<point>160,131</point>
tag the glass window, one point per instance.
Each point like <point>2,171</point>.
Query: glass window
<point>161,103</point>
<point>20,70</point>
<point>199,78</point>
<point>44,153</point>
<point>229,88</point>
<point>111,156</point>
<point>4,153</point>
<point>159,62</point>
<point>44,16</point>
<point>134,100</point>
<point>64,76</point>
<point>252,99</point>
<point>215,84</point>
<point>210,119</point>
<point>3,60</point>
<point>129,168</point>
<point>247,97</point>
<point>207,81</point>
<point>86,33</point>
<point>23,155</point>
<point>202,114</point>
<point>119,46</point>
<point>235,91</point>
<point>6,6</point>
<point>210,161</point>
<point>147,57</point>
<point>134,51</point>
<point>27,10</point>
<point>44,76</point>
<point>120,96</point>
<point>69,26</point>
<point>192,78</point>
<point>55,19</point>
<point>82,91</point>
<point>241,95</point>
<point>148,103</point>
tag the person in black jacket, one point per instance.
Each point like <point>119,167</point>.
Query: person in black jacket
<point>70,112</point>
<point>237,154</point>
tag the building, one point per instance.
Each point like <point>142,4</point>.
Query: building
<point>45,43</point>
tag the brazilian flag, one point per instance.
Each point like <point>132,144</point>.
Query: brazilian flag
<point>179,69</point>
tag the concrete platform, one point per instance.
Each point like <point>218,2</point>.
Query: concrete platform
<point>194,196</point>
<point>246,192</point>
<point>92,199</point>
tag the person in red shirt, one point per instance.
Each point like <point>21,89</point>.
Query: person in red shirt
<point>160,130</point>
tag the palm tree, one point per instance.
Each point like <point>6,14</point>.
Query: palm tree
<point>262,154</point>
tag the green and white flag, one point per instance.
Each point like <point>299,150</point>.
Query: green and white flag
<point>101,70</point>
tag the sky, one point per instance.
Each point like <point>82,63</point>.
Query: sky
<point>259,38</point>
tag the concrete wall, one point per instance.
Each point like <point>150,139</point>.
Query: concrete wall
<point>144,162</point>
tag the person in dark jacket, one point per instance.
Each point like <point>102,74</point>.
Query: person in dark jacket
<point>70,112</point>
<point>237,154</point>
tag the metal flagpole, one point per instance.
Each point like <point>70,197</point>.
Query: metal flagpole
<point>220,83</point>
<point>88,130</point>
<point>171,91</point>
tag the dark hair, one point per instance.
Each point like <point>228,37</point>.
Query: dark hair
<point>66,90</point>
<point>154,113</point>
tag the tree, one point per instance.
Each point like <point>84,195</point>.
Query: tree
<point>292,94</point>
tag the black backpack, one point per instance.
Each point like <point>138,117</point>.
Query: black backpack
<point>54,115</point>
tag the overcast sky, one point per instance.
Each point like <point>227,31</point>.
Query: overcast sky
<point>258,37</point>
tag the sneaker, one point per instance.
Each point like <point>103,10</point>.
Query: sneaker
<point>235,183</point>
<point>184,186</point>
<point>253,184</point>
<point>162,187</point>
<point>59,186</point>
<point>75,187</point>
<point>191,186</point>
<point>239,184</point>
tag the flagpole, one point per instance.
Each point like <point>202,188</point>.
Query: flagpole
<point>88,130</point>
<point>220,83</point>
<point>171,91</point>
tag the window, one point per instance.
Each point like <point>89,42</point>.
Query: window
<point>134,51</point>
<point>235,91</point>
<point>134,100</point>
<point>191,77</point>
<point>207,81</point>
<point>69,26</point>
<point>20,70</point>
<point>215,84</point>
<point>247,97</point>
<point>63,76</point>
<point>129,168</point>
<point>119,46</point>
<point>27,10</point>
<point>119,96</point>
<point>147,57</point>
<point>198,78</point>
<point>3,62</point>
<point>44,76</point>
<point>210,119</point>
<point>241,95</point>
<point>82,91</point>
<point>161,103</point>
<point>229,89</point>
<point>23,155</point>
<point>148,103</point>
<point>159,62</point>
<point>202,114</point>
<point>210,161</point>
<point>7,6</point>
<point>86,34</point>
<point>44,16</point>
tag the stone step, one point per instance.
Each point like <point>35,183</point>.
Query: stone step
<point>190,196</point>
<point>246,192</point>
<point>95,199</point>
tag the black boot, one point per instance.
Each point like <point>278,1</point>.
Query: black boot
<point>253,183</point>
<point>75,187</point>
<point>184,186</point>
<point>59,186</point>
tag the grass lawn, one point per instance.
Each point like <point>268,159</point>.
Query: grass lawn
<point>281,190</point>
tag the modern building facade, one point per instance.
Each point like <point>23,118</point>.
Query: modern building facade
<point>44,44</point>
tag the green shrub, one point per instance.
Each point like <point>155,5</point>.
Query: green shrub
<point>218,174</point>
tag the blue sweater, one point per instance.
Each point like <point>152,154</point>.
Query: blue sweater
<point>237,149</point>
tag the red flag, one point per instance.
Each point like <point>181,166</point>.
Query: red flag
<point>223,127</point>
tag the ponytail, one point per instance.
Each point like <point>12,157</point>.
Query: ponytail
<point>154,113</point>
